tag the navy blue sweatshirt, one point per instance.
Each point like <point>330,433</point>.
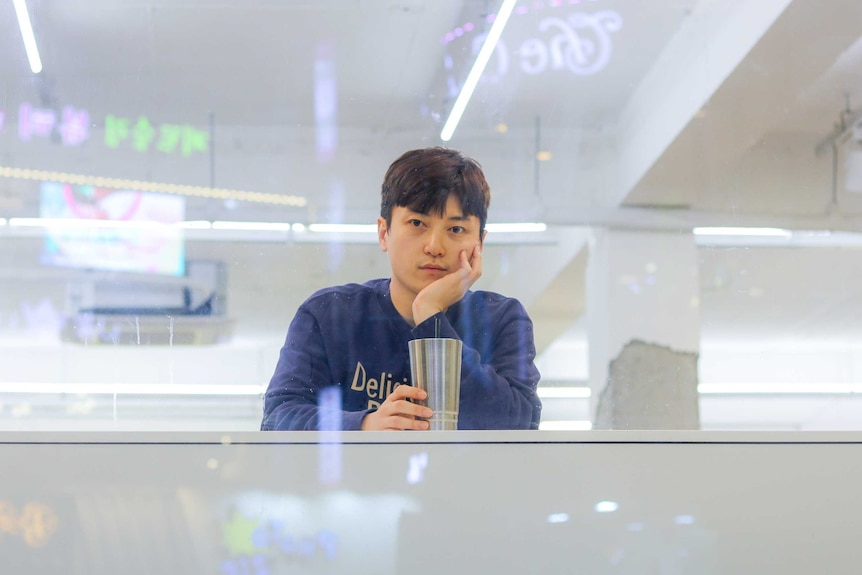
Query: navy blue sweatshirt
<point>352,336</point>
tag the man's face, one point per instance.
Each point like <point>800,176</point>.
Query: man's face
<point>423,248</point>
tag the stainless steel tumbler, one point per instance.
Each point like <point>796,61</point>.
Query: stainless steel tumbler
<point>435,366</point>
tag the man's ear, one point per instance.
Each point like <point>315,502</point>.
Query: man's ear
<point>482,238</point>
<point>381,233</point>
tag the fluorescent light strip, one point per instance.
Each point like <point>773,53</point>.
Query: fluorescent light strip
<point>343,228</point>
<point>760,232</point>
<point>779,388</point>
<point>565,425</point>
<point>235,225</point>
<point>252,226</point>
<point>131,388</point>
<point>196,225</point>
<point>516,228</point>
<point>476,71</point>
<point>775,237</point>
<point>27,35</point>
<point>143,186</point>
<point>563,392</point>
<point>371,228</point>
<point>67,223</point>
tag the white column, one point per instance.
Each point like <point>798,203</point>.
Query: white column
<point>643,327</point>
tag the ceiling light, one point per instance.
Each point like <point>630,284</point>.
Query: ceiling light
<point>779,388</point>
<point>30,222</point>
<point>238,225</point>
<point>131,388</point>
<point>774,237</point>
<point>343,228</point>
<point>606,506</point>
<point>558,517</point>
<point>69,223</point>
<point>768,232</point>
<point>252,226</point>
<point>28,36</point>
<point>476,71</point>
<point>196,225</point>
<point>516,227</point>
<point>372,228</point>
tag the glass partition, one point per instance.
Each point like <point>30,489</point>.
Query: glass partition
<point>675,198</point>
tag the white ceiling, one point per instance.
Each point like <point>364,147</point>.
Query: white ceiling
<point>251,64</point>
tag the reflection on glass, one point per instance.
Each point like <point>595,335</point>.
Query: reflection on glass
<point>694,196</point>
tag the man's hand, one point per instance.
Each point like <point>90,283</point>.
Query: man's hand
<point>396,412</point>
<point>440,294</point>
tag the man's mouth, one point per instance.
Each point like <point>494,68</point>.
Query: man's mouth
<point>432,267</point>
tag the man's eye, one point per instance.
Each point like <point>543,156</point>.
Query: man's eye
<point>415,223</point>
<point>457,230</point>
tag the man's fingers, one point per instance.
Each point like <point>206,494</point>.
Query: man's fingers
<point>407,392</point>
<point>476,263</point>
<point>397,422</point>
<point>466,260</point>
<point>404,407</point>
<point>380,421</point>
<point>399,411</point>
<point>471,267</point>
<point>398,403</point>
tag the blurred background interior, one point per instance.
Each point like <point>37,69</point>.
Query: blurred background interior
<point>176,177</point>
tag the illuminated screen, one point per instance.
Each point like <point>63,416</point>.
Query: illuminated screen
<point>106,229</point>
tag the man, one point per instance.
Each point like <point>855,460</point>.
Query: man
<point>433,211</point>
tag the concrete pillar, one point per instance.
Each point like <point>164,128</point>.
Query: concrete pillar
<point>643,327</point>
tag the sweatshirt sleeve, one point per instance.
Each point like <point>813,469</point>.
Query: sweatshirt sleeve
<point>497,391</point>
<point>291,400</point>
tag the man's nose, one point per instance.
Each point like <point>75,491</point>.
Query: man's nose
<point>434,244</point>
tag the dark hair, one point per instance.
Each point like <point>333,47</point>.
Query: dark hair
<point>422,181</point>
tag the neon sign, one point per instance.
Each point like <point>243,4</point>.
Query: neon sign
<point>75,128</point>
<point>142,133</point>
<point>254,546</point>
<point>35,524</point>
<point>72,127</point>
<point>579,43</point>
<point>582,44</point>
